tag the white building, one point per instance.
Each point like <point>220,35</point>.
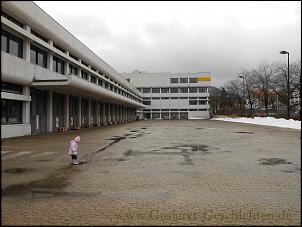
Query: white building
<point>173,96</point>
<point>50,80</point>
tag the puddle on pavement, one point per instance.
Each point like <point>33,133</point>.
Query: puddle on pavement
<point>246,132</point>
<point>273,161</point>
<point>192,147</point>
<point>16,170</point>
<point>55,181</point>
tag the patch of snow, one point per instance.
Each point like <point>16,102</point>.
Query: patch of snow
<point>269,121</point>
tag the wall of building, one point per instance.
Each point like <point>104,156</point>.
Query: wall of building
<point>41,91</point>
<point>171,105</point>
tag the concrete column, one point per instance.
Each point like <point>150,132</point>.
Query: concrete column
<point>127,119</point>
<point>66,65</point>
<point>50,58</point>
<point>66,111</point>
<point>26,45</point>
<point>89,113</point>
<point>119,114</point>
<point>26,107</point>
<point>104,113</point>
<point>98,114</point>
<point>49,111</point>
<point>80,113</point>
<point>79,69</point>
<point>114,113</point>
<point>109,114</point>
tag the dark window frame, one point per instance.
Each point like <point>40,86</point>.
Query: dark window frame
<point>9,38</point>
<point>9,111</point>
<point>56,61</point>
<point>37,51</point>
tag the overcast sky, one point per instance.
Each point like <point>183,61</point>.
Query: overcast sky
<point>217,37</point>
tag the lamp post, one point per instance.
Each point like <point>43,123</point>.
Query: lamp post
<point>288,91</point>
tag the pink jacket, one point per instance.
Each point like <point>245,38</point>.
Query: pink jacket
<point>73,146</point>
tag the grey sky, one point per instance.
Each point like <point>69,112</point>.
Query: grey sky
<point>217,37</point>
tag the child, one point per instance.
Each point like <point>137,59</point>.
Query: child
<point>73,150</point>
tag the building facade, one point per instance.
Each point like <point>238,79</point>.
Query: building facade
<point>50,80</point>
<point>172,96</point>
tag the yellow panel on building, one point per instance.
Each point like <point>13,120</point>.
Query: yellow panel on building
<point>204,78</point>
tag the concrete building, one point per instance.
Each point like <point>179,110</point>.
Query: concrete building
<point>172,96</point>
<point>50,80</point>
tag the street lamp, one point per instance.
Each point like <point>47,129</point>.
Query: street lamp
<point>288,92</point>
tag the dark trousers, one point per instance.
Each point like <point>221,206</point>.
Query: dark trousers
<point>73,156</point>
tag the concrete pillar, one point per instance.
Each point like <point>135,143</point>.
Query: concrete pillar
<point>80,113</point>
<point>66,111</point>
<point>89,114</point>
<point>49,111</point>
<point>114,113</point>
<point>26,107</point>
<point>127,119</point>
<point>26,45</point>
<point>109,114</point>
<point>98,114</point>
<point>50,58</point>
<point>104,113</point>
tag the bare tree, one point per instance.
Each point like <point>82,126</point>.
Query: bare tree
<point>279,81</point>
<point>263,80</point>
<point>249,88</point>
<point>235,89</point>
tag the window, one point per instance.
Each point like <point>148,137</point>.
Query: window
<point>84,63</point>
<point>11,111</point>
<point>193,89</point>
<point>155,90</point>
<point>173,80</point>
<point>11,44</point>
<point>164,90</point>
<point>183,97</point>
<point>193,80</point>
<point>193,98</point>
<point>174,89</point>
<point>147,102</point>
<point>203,110</point>
<point>38,35</point>
<point>106,85</point>
<point>74,57</point>
<point>93,69</point>
<point>58,65</point>
<point>15,21</point>
<point>164,97</point>
<point>128,79</point>
<point>203,90</point>
<point>155,98</point>
<point>93,79</point>
<point>174,97</point>
<point>202,102</point>
<point>11,88</point>
<point>192,102</point>
<point>38,56</point>
<point>146,90</point>
<point>73,70</point>
<point>84,75</point>
<point>183,80</point>
<point>183,90</point>
<point>58,48</point>
<point>100,82</point>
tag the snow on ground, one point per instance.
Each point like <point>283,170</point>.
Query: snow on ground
<point>270,121</point>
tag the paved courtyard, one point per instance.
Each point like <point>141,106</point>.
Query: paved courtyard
<point>191,172</point>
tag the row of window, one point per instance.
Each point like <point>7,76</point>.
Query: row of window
<point>11,88</point>
<point>175,90</point>
<point>167,110</point>
<point>157,98</point>
<point>191,102</point>
<point>13,45</point>
<point>183,80</point>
